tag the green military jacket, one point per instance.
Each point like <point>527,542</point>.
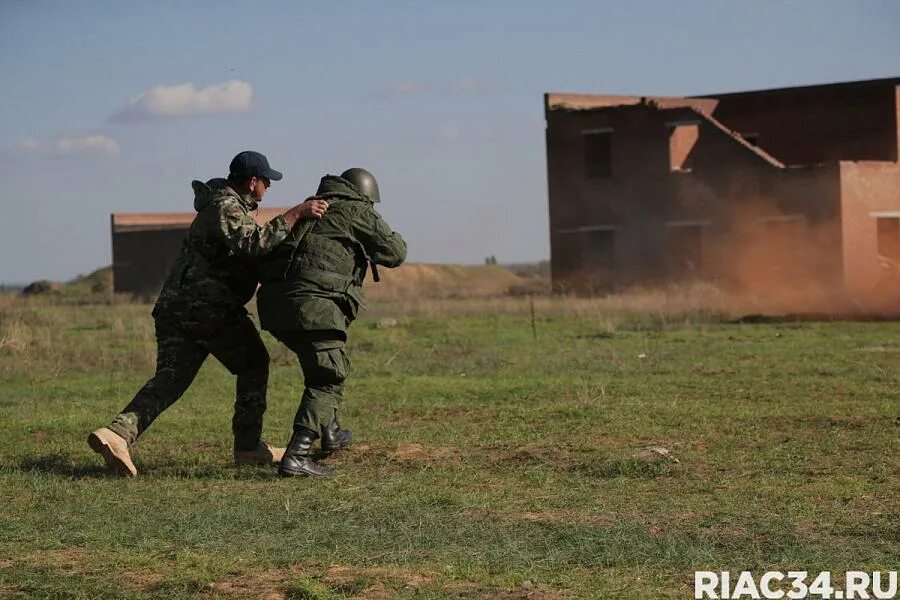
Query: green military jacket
<point>314,282</point>
<point>217,266</point>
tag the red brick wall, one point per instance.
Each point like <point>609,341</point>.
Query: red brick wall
<point>866,187</point>
<point>682,139</point>
<point>142,258</point>
<point>897,118</point>
<point>801,126</point>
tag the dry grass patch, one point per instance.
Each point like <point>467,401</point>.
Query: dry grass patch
<point>372,582</point>
<point>65,561</point>
<point>524,591</point>
<point>139,580</point>
<point>399,453</point>
<point>268,585</point>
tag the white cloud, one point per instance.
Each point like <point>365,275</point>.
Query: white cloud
<point>99,143</point>
<point>70,145</point>
<point>185,99</point>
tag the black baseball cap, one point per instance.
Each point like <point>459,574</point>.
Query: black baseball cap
<point>249,164</point>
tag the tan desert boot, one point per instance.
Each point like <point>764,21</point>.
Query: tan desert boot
<point>114,450</point>
<point>263,455</point>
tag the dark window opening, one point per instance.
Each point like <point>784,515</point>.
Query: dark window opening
<point>598,154</point>
<point>585,255</point>
<point>889,237</point>
<point>684,248</point>
<point>601,247</point>
<point>566,255</point>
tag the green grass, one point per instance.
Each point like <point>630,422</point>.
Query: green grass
<point>487,463</point>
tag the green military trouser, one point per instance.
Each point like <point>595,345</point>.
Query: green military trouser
<point>182,346</point>
<point>325,364</point>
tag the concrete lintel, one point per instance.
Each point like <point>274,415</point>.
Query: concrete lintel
<point>885,214</point>
<point>681,122</point>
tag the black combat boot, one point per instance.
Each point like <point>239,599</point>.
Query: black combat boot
<point>334,438</point>
<point>297,459</point>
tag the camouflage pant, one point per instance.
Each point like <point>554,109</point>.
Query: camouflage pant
<point>182,346</point>
<point>325,364</point>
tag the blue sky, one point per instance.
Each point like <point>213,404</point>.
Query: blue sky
<point>116,106</point>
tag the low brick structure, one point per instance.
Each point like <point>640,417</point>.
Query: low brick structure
<point>144,245</point>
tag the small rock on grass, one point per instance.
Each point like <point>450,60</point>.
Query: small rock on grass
<point>655,454</point>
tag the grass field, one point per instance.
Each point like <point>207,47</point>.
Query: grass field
<point>493,458</point>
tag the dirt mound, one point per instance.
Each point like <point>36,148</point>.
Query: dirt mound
<point>444,281</point>
<point>42,286</point>
<point>97,282</point>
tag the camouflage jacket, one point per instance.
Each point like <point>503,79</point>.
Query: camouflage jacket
<point>315,282</point>
<point>217,266</point>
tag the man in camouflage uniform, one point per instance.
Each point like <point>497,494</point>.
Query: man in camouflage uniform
<point>311,290</point>
<point>200,311</point>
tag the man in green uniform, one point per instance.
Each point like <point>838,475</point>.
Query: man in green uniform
<point>311,290</point>
<point>200,311</point>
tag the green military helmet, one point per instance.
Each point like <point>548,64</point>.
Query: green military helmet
<point>363,181</point>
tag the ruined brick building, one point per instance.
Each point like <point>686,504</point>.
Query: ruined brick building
<point>144,246</point>
<point>798,185</point>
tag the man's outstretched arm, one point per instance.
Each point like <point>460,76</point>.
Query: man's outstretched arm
<point>245,237</point>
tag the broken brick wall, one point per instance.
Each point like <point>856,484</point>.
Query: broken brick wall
<point>816,124</point>
<point>869,191</point>
<point>708,218</point>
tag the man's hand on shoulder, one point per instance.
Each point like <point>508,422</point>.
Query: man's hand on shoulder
<point>311,208</point>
